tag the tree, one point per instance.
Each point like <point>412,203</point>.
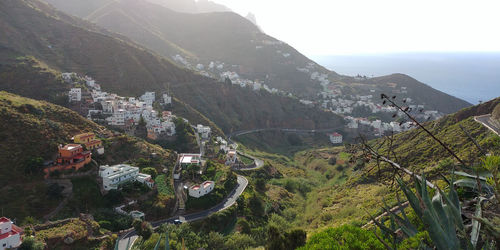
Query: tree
<point>260,185</point>
<point>231,181</point>
<point>275,239</point>
<point>295,239</point>
<point>143,229</point>
<point>332,161</point>
<point>114,197</point>
<point>256,206</point>
<point>215,240</point>
<point>239,241</point>
<point>33,165</point>
<point>244,226</point>
<point>141,131</point>
<point>150,171</point>
<point>30,243</point>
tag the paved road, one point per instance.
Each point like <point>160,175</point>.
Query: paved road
<point>228,202</point>
<point>258,163</point>
<point>485,120</point>
<point>290,130</point>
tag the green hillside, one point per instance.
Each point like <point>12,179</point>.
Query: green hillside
<point>30,133</point>
<point>316,192</point>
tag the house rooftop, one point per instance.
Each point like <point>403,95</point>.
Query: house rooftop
<point>71,147</point>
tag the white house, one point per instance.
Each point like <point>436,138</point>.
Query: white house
<point>75,95</point>
<point>107,107</point>
<point>67,76</point>
<point>204,131</point>
<point>146,180</point>
<point>231,157</point>
<point>189,159</point>
<point>113,176</point>
<point>335,138</point>
<point>148,98</point>
<point>118,118</point>
<point>167,99</point>
<point>200,190</point>
<point>10,234</point>
<point>90,82</point>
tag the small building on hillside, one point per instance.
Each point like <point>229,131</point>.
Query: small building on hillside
<point>200,190</point>
<point>67,77</point>
<point>10,234</point>
<point>167,99</point>
<point>114,176</point>
<point>189,159</point>
<point>231,157</point>
<point>71,156</point>
<point>75,95</point>
<point>89,140</point>
<point>335,138</point>
<point>204,131</point>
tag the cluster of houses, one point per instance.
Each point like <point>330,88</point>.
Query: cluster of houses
<point>124,112</point>
<point>255,85</point>
<point>217,69</point>
<point>379,127</point>
<point>74,156</point>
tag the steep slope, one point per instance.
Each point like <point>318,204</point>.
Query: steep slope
<point>234,108</point>
<point>420,93</point>
<point>31,130</point>
<point>333,186</point>
<point>230,38</point>
<point>225,37</point>
<point>69,44</point>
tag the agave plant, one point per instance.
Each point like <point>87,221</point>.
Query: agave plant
<point>441,215</point>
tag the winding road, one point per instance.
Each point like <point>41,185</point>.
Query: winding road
<point>290,130</point>
<point>230,200</point>
<point>486,121</point>
<point>242,182</point>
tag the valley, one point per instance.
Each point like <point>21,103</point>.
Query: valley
<point>179,124</point>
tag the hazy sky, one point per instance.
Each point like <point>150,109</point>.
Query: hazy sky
<point>328,27</point>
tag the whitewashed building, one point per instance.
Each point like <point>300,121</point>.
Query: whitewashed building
<point>335,138</point>
<point>204,131</point>
<point>148,98</point>
<point>113,176</point>
<point>200,190</point>
<point>10,234</point>
<point>189,159</point>
<point>167,99</point>
<point>231,157</point>
<point>75,95</point>
<point>67,76</point>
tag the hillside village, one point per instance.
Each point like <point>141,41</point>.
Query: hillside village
<point>360,111</point>
<point>197,130</point>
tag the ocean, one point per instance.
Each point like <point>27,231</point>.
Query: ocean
<point>473,77</point>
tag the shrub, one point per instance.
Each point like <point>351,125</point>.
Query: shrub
<point>344,237</point>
